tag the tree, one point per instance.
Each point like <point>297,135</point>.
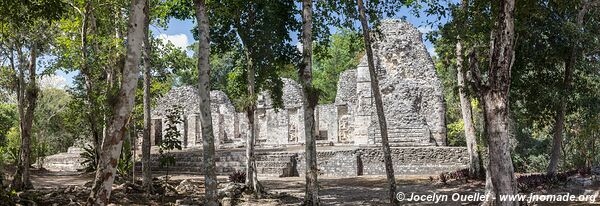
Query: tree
<point>570,63</point>
<point>465,103</point>
<point>91,43</point>
<point>342,52</point>
<point>310,99</point>
<point>259,30</point>
<point>26,34</point>
<point>208,138</point>
<point>146,144</point>
<point>27,96</point>
<point>495,96</point>
<point>387,154</point>
<point>111,146</point>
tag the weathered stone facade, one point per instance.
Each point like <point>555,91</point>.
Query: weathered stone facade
<point>411,91</point>
<point>332,161</point>
<point>406,161</point>
<point>348,135</point>
<point>229,127</point>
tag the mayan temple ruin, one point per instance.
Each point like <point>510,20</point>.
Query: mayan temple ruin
<point>348,132</point>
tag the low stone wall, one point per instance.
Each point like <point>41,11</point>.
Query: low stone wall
<point>70,161</point>
<point>406,160</point>
<point>271,163</point>
<point>338,161</point>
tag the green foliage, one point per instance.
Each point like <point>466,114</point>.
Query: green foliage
<point>53,125</point>
<point>170,140</point>
<point>546,33</point>
<point>531,163</point>
<point>8,119</point>
<point>125,164</point>
<point>342,53</point>
<point>260,30</point>
<point>90,158</point>
<point>455,133</point>
<point>12,146</point>
<point>237,177</point>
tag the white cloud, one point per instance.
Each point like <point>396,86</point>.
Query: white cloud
<point>425,29</point>
<point>299,46</point>
<point>431,51</point>
<point>53,81</point>
<point>179,40</point>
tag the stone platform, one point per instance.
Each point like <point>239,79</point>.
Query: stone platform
<point>67,162</point>
<point>332,161</point>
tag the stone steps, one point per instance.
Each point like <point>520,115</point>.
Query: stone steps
<point>274,164</point>
<point>270,157</point>
<point>405,142</point>
<point>69,161</point>
<point>267,163</point>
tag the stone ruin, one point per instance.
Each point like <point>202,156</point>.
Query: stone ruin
<point>348,135</point>
<point>411,91</point>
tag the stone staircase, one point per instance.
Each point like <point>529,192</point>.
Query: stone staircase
<point>68,162</point>
<point>281,164</point>
<point>403,137</point>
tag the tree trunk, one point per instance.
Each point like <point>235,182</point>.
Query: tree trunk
<point>489,187</point>
<point>208,139</point>
<point>27,104</point>
<point>466,110</point>
<point>146,144</point>
<point>310,100</point>
<point>494,95</point>
<point>88,82</point>
<point>559,123</point>
<point>251,173</point>
<point>112,144</point>
<point>500,164</point>
<point>387,154</point>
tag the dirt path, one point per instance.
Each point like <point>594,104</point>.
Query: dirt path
<point>362,190</point>
<point>59,179</point>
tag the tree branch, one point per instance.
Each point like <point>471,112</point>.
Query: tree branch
<point>473,74</point>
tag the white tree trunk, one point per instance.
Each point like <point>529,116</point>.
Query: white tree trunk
<point>146,144</point>
<point>310,100</point>
<point>251,173</point>
<point>208,139</point>
<point>387,154</point>
<point>466,110</point>
<point>112,143</point>
<point>27,103</point>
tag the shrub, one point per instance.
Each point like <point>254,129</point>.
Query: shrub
<point>238,177</point>
<point>90,158</point>
<point>443,177</point>
<point>171,139</point>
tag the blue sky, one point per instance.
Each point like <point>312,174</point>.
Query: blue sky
<point>179,33</point>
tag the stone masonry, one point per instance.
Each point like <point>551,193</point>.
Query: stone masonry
<point>348,133</point>
<point>411,91</point>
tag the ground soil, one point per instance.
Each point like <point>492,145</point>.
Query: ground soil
<point>62,188</point>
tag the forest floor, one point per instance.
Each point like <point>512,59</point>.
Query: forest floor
<point>62,188</point>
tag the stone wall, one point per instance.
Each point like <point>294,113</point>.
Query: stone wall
<point>327,124</point>
<point>407,161</point>
<point>226,121</point>
<point>280,126</point>
<point>335,162</point>
<point>411,92</point>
